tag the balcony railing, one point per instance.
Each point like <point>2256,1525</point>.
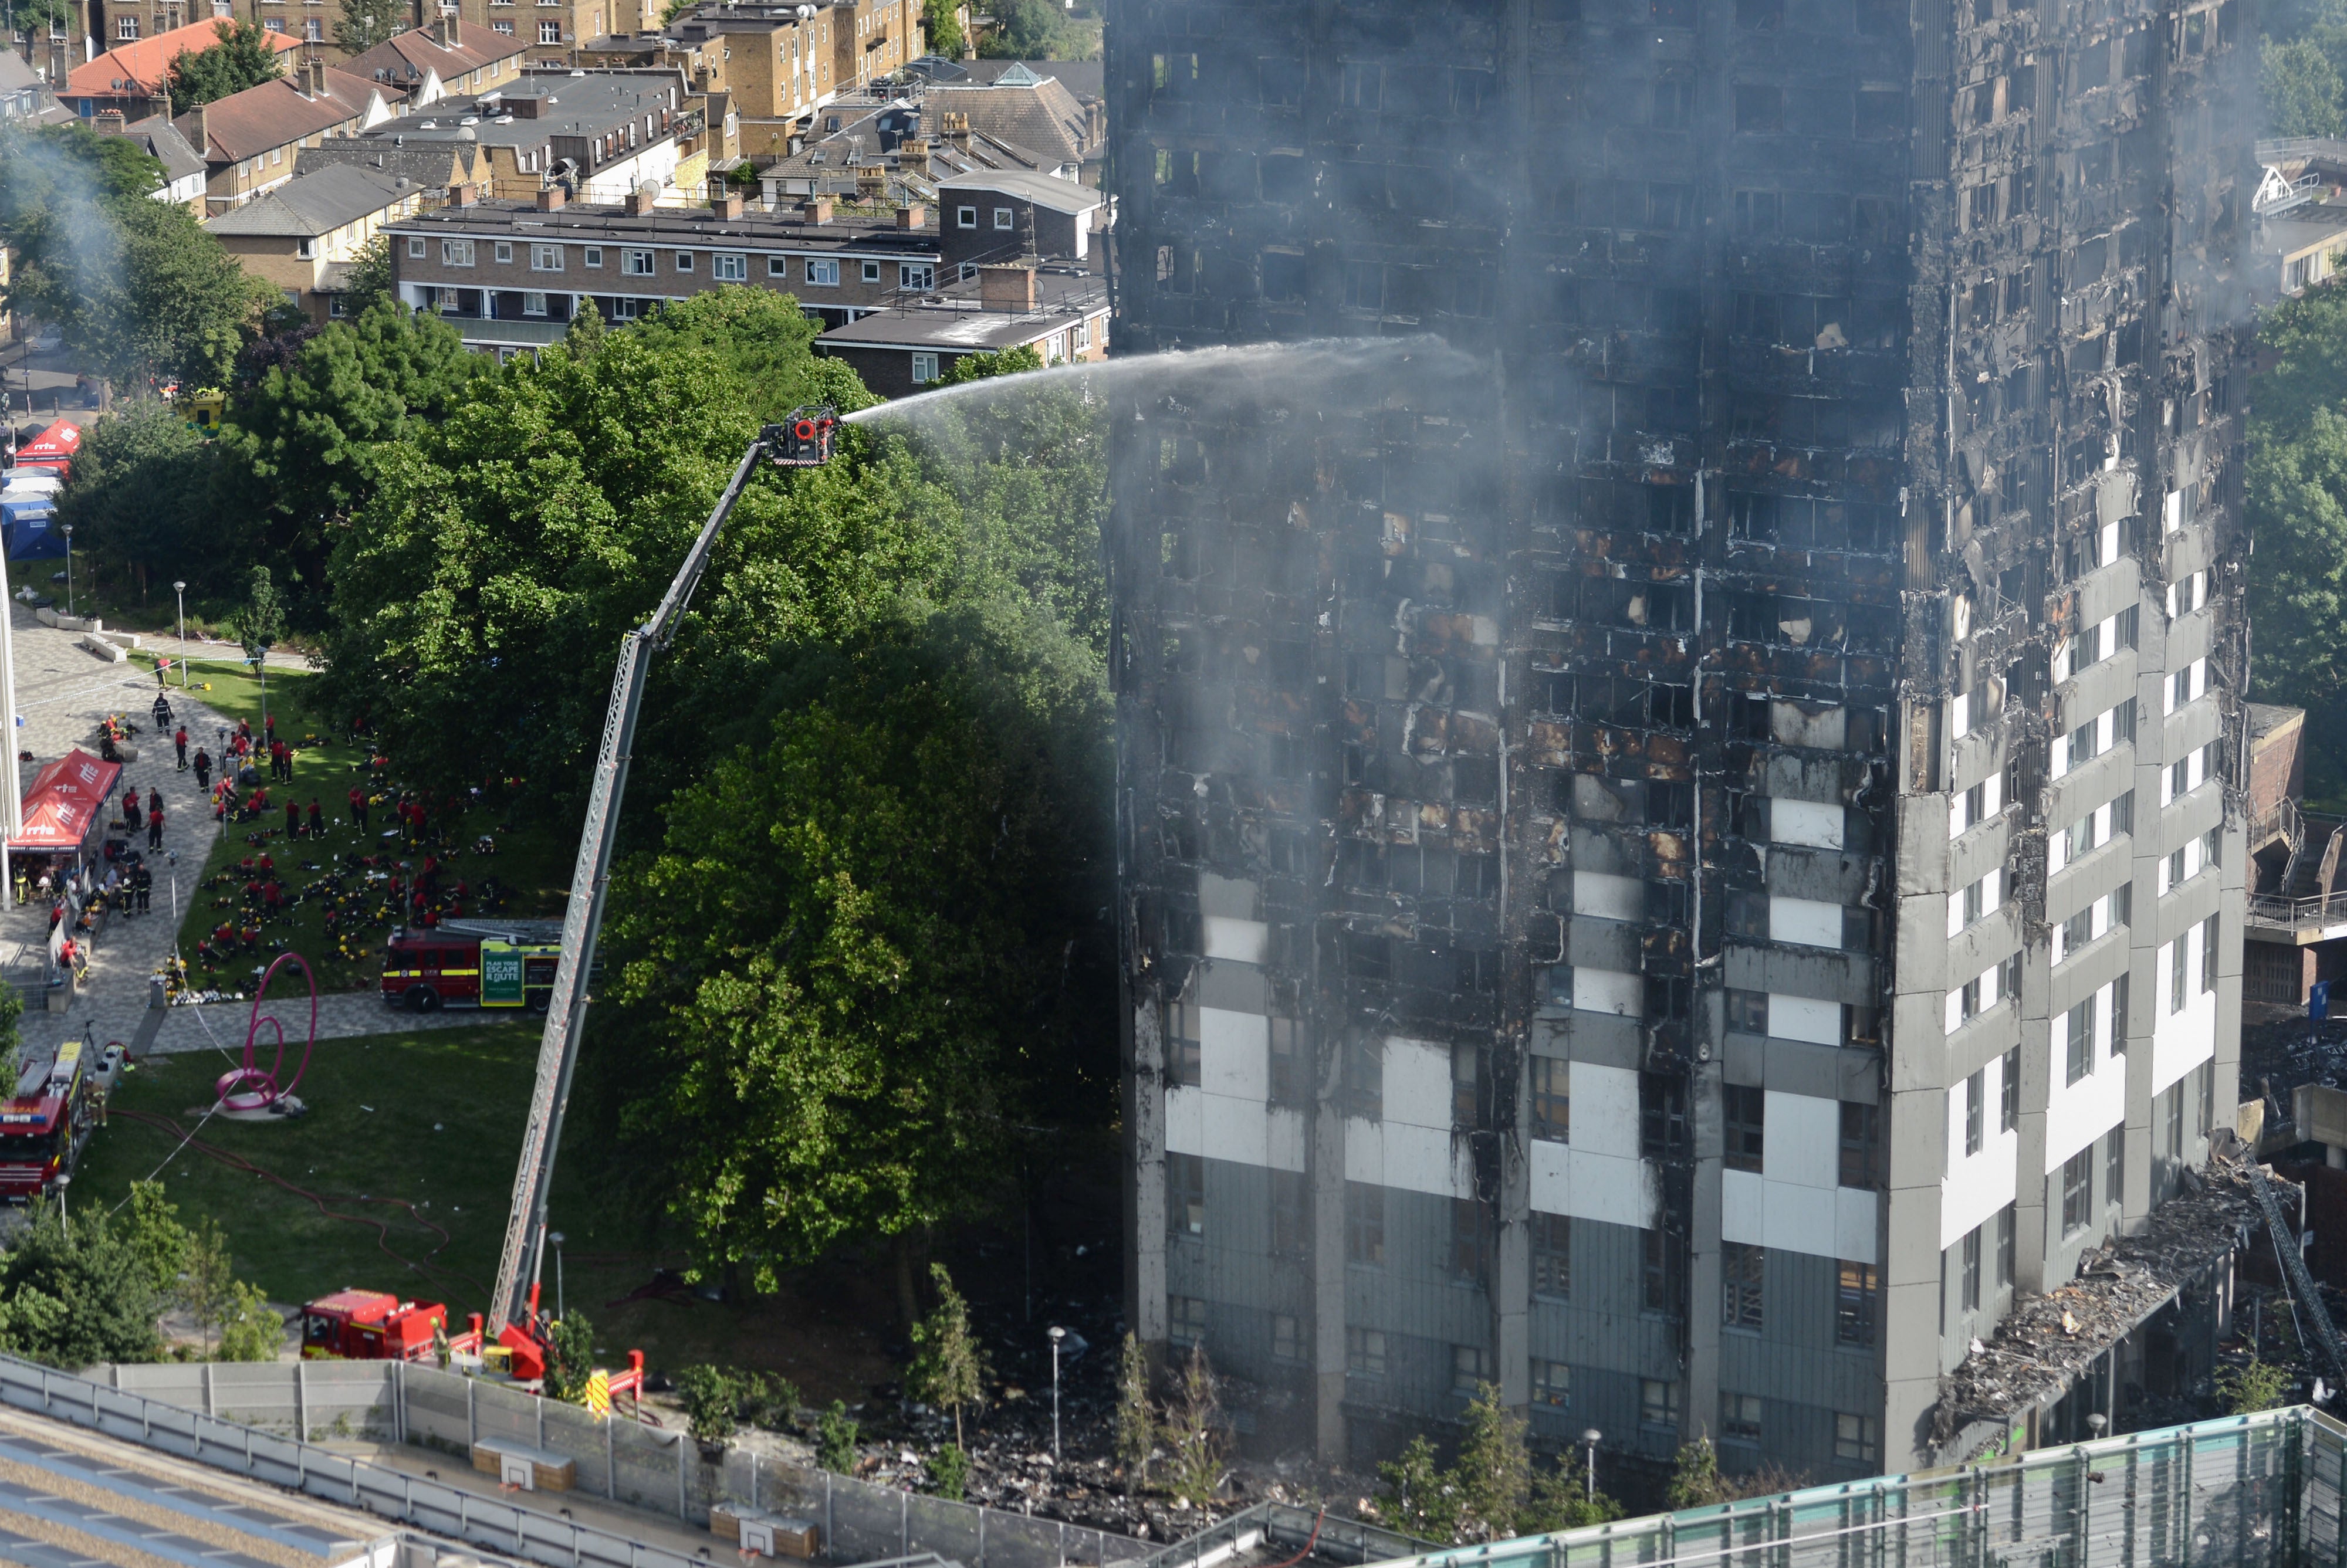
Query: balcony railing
<point>2277,913</point>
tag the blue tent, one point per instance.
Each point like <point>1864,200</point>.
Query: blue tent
<point>29,529</point>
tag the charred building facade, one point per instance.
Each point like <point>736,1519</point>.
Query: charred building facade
<point>1681,847</point>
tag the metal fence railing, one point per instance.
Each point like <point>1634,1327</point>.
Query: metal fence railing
<point>2297,914</point>
<point>2246,1492</point>
<point>659,1470</point>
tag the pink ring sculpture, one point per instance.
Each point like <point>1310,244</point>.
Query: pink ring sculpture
<point>247,1088</point>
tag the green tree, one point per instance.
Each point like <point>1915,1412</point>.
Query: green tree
<point>367,23</point>
<point>1025,30</point>
<point>141,502</point>
<point>948,1472</point>
<point>306,439</point>
<point>1492,1475</point>
<point>843,1021</point>
<point>152,1231</point>
<point>712,1397</point>
<point>1417,1497</point>
<point>1136,1424</point>
<point>766,341</point>
<point>2304,90</point>
<point>1561,1500</point>
<point>2252,1387</point>
<point>251,1329</point>
<point>949,1367</point>
<point>1195,1462</point>
<point>991,362</point>
<point>75,1296</point>
<point>207,1285</point>
<point>367,279</point>
<point>943,29</point>
<point>261,621</point>
<point>242,59</point>
<point>835,1435</point>
<point>484,586</point>
<point>571,1359</point>
<point>1694,1476</point>
<point>68,164</point>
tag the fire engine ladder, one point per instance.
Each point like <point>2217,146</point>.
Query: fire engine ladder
<point>2293,1263</point>
<point>583,923</point>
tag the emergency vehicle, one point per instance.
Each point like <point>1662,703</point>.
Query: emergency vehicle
<point>375,1326</point>
<point>45,1124</point>
<point>472,963</point>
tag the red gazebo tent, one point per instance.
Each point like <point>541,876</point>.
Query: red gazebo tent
<point>52,450</point>
<point>68,797</point>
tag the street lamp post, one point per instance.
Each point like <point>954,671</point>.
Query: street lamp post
<point>555,1237</point>
<point>63,1180</point>
<point>180,588</point>
<point>1588,1440</point>
<point>1058,1334</point>
<point>69,602</point>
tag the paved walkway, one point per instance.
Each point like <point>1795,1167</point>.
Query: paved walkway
<point>62,691</point>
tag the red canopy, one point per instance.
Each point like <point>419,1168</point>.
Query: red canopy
<point>65,800</point>
<point>55,444</point>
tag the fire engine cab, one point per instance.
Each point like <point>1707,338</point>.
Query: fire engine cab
<point>45,1125</point>
<point>472,963</point>
<point>374,1326</point>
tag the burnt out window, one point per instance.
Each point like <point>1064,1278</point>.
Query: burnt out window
<point>1478,877</point>
<point>1760,15</point>
<point>1361,85</point>
<point>1757,212</point>
<point>1182,1044</point>
<point>1479,971</point>
<point>1759,108</point>
<point>1365,286</point>
<point>1368,955</point>
<point>1882,115</point>
<point>1661,1116</point>
<point>1284,176</point>
<point>1747,916</point>
<point>1282,275</point>
<point>1861,1145</point>
<point>1365,1079</point>
<point>1660,1275</point>
<point>1745,1107</point>
<point>1671,804</point>
<point>1475,781</point>
<point>1674,101</point>
<point>1290,1074</point>
<point>1670,509</point>
<point>1472,92</point>
<point>1748,1012</point>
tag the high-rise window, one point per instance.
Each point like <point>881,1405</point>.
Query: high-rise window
<point>1662,1115</point>
<point>1468,1239</point>
<point>1658,1402</point>
<point>2008,1237</point>
<point>1185,1194</point>
<point>2008,1110</point>
<point>2114,1166</point>
<point>1855,1439</point>
<point>1551,1385</point>
<point>1551,1083</point>
<point>1861,1145</point>
<point>1185,1319</point>
<point>1975,1110</point>
<point>1365,1223</point>
<point>1854,1304</point>
<point>1365,1352</point>
<point>1182,1048</point>
<point>1659,1274</point>
<point>1746,1107</point>
<point>1551,1238</point>
<point>1971,1273</point>
<point>2079,1029</point>
<point>1290,1200</point>
<point>1743,1270</point>
<point>2077,1191</point>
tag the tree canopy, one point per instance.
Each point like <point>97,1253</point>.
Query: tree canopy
<point>2296,495</point>
<point>242,59</point>
<point>139,291</point>
<point>367,23</point>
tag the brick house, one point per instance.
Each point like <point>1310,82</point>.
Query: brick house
<point>301,236</point>
<point>252,140</point>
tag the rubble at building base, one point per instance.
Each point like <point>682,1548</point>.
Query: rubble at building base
<point>2141,1321</point>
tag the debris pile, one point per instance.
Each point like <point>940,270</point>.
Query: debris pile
<point>2049,1339</point>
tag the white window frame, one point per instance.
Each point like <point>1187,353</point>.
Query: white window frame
<point>533,303</point>
<point>636,263</point>
<point>684,261</point>
<point>592,256</point>
<point>416,247</point>
<point>920,275</point>
<point>778,267</point>
<point>965,217</point>
<point>924,368</point>
<point>823,273</point>
<point>456,252</point>
<point>1005,218</point>
<point>504,250</point>
<point>729,267</point>
<point>546,257</point>
<point>546,27</point>
<point>871,271</point>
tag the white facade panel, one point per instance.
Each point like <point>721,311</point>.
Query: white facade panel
<point>1605,1110</point>
<point>1805,822</point>
<point>1234,1053</point>
<point>1608,991</point>
<point>1240,941</point>
<point>1801,1140</point>
<point>1805,1019</point>
<point>1805,922</point>
<point>1602,897</point>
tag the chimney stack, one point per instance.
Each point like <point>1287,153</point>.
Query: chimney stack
<point>816,209</point>
<point>463,193</point>
<point>443,30</point>
<point>202,139</point>
<point>109,122</point>
<point>1008,285</point>
<point>550,199</point>
<point>642,199</point>
<point>728,206</point>
<point>913,215</point>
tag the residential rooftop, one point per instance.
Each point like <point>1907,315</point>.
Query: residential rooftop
<point>606,224</point>
<point>310,205</point>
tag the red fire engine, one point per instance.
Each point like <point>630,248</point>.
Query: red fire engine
<point>472,963</point>
<point>45,1125</point>
<point>374,1326</point>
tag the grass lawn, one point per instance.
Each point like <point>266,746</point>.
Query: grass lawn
<point>435,1118</point>
<point>533,862</point>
